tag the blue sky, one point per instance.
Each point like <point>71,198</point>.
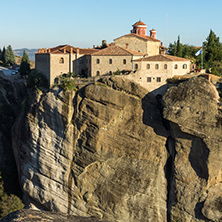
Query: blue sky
<point>48,23</point>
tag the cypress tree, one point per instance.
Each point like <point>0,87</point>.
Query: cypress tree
<point>179,48</point>
<point>9,55</point>
<point>3,55</point>
<point>25,65</point>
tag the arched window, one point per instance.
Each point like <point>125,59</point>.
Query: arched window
<point>110,61</point>
<point>184,66</point>
<point>176,66</point>
<point>61,60</point>
<point>148,66</point>
<point>97,73</point>
<point>165,66</point>
<point>124,61</point>
<point>97,61</point>
<point>157,66</point>
<point>110,72</point>
<point>136,66</point>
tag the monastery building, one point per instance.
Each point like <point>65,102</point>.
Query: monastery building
<point>140,57</point>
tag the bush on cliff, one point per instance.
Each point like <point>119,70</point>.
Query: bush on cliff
<point>37,79</point>
<point>8,203</point>
<point>66,83</point>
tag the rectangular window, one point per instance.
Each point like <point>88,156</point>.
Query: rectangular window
<point>158,79</point>
<point>148,79</point>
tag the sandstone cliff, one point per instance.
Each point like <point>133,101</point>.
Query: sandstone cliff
<point>106,151</point>
<point>98,152</point>
<point>11,95</point>
<point>196,127</point>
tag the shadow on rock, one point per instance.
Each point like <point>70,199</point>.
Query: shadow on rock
<point>198,158</point>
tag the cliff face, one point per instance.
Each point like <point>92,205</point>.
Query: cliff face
<point>196,127</point>
<point>104,152</point>
<point>98,152</point>
<point>11,95</point>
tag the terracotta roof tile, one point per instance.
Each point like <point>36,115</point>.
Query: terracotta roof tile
<point>139,23</point>
<point>162,58</point>
<point>67,48</point>
<point>116,51</point>
<point>146,38</point>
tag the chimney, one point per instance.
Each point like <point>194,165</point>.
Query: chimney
<point>127,45</point>
<point>94,46</point>
<point>153,33</point>
<point>77,50</point>
<point>39,50</point>
<point>64,50</point>
<point>161,43</point>
<point>49,50</point>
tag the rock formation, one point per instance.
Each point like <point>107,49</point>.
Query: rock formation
<point>106,151</point>
<point>11,95</point>
<point>28,215</point>
<point>100,152</point>
<point>196,127</point>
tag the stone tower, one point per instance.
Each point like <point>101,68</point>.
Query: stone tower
<point>139,28</point>
<point>153,33</point>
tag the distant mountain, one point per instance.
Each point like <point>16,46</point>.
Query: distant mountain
<point>30,53</point>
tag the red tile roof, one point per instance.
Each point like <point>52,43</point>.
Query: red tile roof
<point>116,51</point>
<point>146,38</point>
<point>163,58</point>
<point>139,23</point>
<point>66,49</point>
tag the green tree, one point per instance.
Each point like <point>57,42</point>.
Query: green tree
<point>0,55</point>
<point>104,44</point>
<point>37,79</point>
<point>9,55</point>
<point>8,203</point>
<point>25,65</point>
<point>172,49</point>
<point>179,48</point>
<point>213,48</point>
<point>3,55</point>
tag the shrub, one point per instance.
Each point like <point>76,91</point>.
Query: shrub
<point>117,72</point>
<point>67,84</point>
<point>37,79</point>
<point>8,203</point>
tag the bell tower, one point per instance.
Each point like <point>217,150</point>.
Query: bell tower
<point>139,28</point>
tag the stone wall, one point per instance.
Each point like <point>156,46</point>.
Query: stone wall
<point>104,67</point>
<point>42,64</point>
<point>139,45</point>
<point>153,48</point>
<point>158,86</point>
<point>58,68</point>
<point>135,44</point>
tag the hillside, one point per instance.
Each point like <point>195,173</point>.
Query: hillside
<point>19,60</point>
<point>30,53</point>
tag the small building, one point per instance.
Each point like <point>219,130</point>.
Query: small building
<point>111,59</point>
<point>152,72</point>
<point>63,59</point>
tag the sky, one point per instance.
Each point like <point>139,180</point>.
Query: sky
<point>84,23</point>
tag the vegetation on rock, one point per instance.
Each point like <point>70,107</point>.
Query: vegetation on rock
<point>36,79</point>
<point>212,53</point>
<point>8,203</point>
<point>9,55</point>
<point>25,65</point>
